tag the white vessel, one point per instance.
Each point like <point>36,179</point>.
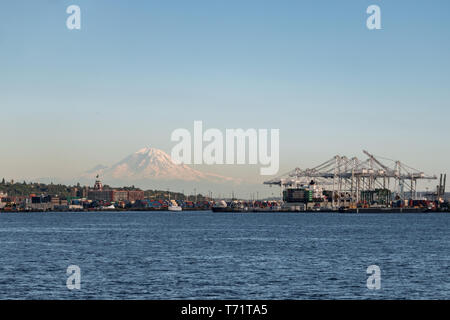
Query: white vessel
<point>111,207</point>
<point>174,206</point>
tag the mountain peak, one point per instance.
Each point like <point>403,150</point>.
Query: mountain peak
<point>152,151</point>
<point>155,164</point>
<point>145,156</point>
<point>143,150</point>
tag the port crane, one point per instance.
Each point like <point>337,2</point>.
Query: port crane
<point>348,177</point>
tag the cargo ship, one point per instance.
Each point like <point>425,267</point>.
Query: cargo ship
<point>384,210</point>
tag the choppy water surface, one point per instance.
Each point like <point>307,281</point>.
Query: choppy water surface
<point>204,255</point>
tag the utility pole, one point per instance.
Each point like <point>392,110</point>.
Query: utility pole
<point>443,187</point>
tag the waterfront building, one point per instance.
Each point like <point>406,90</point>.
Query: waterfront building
<point>55,201</point>
<point>98,193</point>
<point>41,203</point>
<point>119,195</point>
<point>3,199</point>
<point>134,195</point>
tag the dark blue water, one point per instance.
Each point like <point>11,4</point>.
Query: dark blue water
<point>204,255</point>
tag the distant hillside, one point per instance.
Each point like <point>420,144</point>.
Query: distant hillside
<point>63,191</point>
<point>25,189</point>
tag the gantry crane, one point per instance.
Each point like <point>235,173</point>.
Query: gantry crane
<point>348,177</point>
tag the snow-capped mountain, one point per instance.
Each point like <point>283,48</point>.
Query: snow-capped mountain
<point>152,164</point>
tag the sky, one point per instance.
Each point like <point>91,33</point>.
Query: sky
<point>137,70</point>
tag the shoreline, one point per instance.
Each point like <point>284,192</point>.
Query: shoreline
<point>352,211</point>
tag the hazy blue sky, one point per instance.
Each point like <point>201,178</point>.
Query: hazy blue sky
<point>137,70</point>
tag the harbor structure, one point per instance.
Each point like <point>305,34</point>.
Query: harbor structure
<point>343,182</point>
